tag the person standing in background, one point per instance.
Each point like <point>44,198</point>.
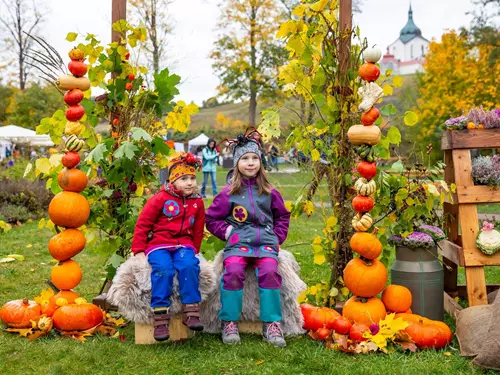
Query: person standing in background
<point>209,167</point>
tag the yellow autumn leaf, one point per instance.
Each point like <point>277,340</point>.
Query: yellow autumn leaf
<point>42,165</point>
<point>44,297</point>
<point>332,221</point>
<point>22,331</point>
<point>140,190</point>
<point>17,256</point>
<point>319,258</point>
<point>318,6</point>
<point>302,297</point>
<point>397,81</point>
<point>309,208</point>
<point>313,290</point>
<point>315,155</point>
<point>289,205</point>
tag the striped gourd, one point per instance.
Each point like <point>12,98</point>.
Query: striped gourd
<point>73,143</point>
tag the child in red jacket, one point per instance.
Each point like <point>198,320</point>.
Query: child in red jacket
<point>169,232</point>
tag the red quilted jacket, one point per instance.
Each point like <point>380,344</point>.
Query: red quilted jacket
<point>170,219</point>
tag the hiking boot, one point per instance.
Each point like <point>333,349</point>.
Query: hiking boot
<point>230,334</point>
<point>273,334</point>
<point>191,317</point>
<point>161,319</point>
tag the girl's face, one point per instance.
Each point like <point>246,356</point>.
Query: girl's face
<point>249,165</point>
<point>211,145</point>
<point>185,184</point>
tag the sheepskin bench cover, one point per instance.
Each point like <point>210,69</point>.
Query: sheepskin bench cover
<point>131,293</point>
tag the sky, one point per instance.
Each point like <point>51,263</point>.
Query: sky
<point>194,31</point>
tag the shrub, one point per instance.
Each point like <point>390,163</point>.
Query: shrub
<point>31,195</point>
<point>12,214</point>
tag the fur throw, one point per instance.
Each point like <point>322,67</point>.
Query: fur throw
<point>131,289</point>
<point>131,293</point>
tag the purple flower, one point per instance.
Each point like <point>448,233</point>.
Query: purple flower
<point>418,239</point>
<point>374,329</point>
<point>497,111</point>
<point>11,163</point>
<point>435,232</point>
<point>456,123</point>
<point>396,240</point>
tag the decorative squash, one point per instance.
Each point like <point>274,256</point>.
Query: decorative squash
<point>342,325</point>
<point>362,204</point>
<point>370,116</point>
<point>70,159</point>
<point>73,97</point>
<point>366,245</point>
<point>320,317</point>
<point>365,279</point>
<point>372,55</point>
<point>76,54</point>
<point>66,275</point>
<point>73,143</point>
<point>73,128</point>
<point>18,313</point>
<point>371,94</point>
<point>365,187</point>
<point>72,180</point>
<point>66,244</point>
<point>357,330</point>
<point>75,112</point>
<point>362,222</point>
<point>366,311</point>
<point>369,72</point>
<point>367,170</point>
<point>68,209</point>
<point>68,295</point>
<point>397,298</point>
<point>69,82</point>
<point>360,134</point>
<point>77,317</point>
<point>321,334</point>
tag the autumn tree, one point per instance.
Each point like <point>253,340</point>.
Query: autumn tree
<point>158,23</point>
<point>18,17</point>
<point>247,54</point>
<point>457,76</point>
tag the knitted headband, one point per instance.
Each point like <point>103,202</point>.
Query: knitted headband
<point>182,165</point>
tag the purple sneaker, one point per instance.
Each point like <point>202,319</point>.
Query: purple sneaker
<point>161,320</point>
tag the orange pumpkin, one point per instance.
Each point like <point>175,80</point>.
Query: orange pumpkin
<point>366,245</point>
<point>66,244</point>
<point>370,116</point>
<point>397,298</point>
<point>69,209</point>
<point>342,325</point>
<point>369,72</point>
<point>77,317</point>
<point>365,278</point>
<point>429,334</point>
<point>72,180</point>
<point>321,334</point>
<point>357,330</point>
<point>365,311</point>
<point>411,318</point>
<point>18,313</point>
<point>362,203</point>
<point>66,275</point>
<point>51,307</point>
<point>320,317</point>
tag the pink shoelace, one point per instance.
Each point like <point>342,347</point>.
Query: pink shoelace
<point>274,330</point>
<point>230,329</point>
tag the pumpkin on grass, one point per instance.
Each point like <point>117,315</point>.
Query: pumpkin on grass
<point>66,244</point>
<point>66,275</point>
<point>342,325</point>
<point>50,308</point>
<point>72,180</point>
<point>77,317</point>
<point>397,298</point>
<point>20,312</point>
<point>365,311</point>
<point>429,334</point>
<point>69,209</point>
<point>318,317</point>
<point>366,245</point>
<point>365,278</point>
<point>321,334</point>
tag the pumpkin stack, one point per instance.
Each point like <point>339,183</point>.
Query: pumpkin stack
<point>70,209</point>
<point>366,276</point>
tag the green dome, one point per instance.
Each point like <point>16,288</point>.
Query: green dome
<point>410,30</point>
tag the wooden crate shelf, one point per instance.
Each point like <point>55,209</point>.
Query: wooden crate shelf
<point>461,250</point>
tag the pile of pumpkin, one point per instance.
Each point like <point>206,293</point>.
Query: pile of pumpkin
<point>69,210</point>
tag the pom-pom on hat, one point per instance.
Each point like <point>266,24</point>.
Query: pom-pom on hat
<point>182,164</point>
<point>244,143</point>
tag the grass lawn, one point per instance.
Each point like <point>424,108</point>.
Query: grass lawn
<point>205,353</point>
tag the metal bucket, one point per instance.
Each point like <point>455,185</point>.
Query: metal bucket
<point>420,271</point>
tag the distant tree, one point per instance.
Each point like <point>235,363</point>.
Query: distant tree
<point>28,107</point>
<point>18,17</point>
<point>247,54</point>
<point>485,26</point>
<point>5,95</point>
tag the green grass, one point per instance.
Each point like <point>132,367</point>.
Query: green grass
<point>204,354</point>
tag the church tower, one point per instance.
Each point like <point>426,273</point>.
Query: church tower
<point>406,54</point>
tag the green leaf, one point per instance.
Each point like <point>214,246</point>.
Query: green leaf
<point>411,118</point>
<point>97,154</point>
<point>126,150</point>
<point>139,133</point>
<point>398,166</point>
<point>388,110</point>
<point>393,135</point>
<point>71,37</point>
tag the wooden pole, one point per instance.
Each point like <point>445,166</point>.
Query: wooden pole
<point>118,12</point>
<point>345,41</point>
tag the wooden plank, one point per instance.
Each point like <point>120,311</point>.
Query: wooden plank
<point>474,257</point>
<point>451,306</point>
<point>490,288</point>
<point>476,286</point>
<point>478,194</point>
<point>452,252</point>
<point>250,327</point>
<point>470,139</point>
<point>178,332</point>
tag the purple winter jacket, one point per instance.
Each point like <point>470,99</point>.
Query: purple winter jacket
<point>260,222</point>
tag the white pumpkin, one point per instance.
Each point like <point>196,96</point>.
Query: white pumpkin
<point>372,55</point>
<point>364,187</point>
<point>361,223</point>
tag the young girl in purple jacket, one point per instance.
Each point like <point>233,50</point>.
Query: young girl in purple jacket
<point>251,216</point>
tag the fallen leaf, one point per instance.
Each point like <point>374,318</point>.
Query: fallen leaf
<point>447,354</point>
<point>123,338</point>
<point>22,331</point>
<point>259,362</point>
<point>7,260</point>
<point>29,246</point>
<point>16,257</point>
<point>407,346</point>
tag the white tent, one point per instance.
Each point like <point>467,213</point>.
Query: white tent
<point>18,134</point>
<point>200,140</point>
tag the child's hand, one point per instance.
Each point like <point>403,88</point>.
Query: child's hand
<point>228,231</point>
<point>140,255</point>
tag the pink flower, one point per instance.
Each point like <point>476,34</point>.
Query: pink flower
<point>374,329</point>
<point>487,226</point>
